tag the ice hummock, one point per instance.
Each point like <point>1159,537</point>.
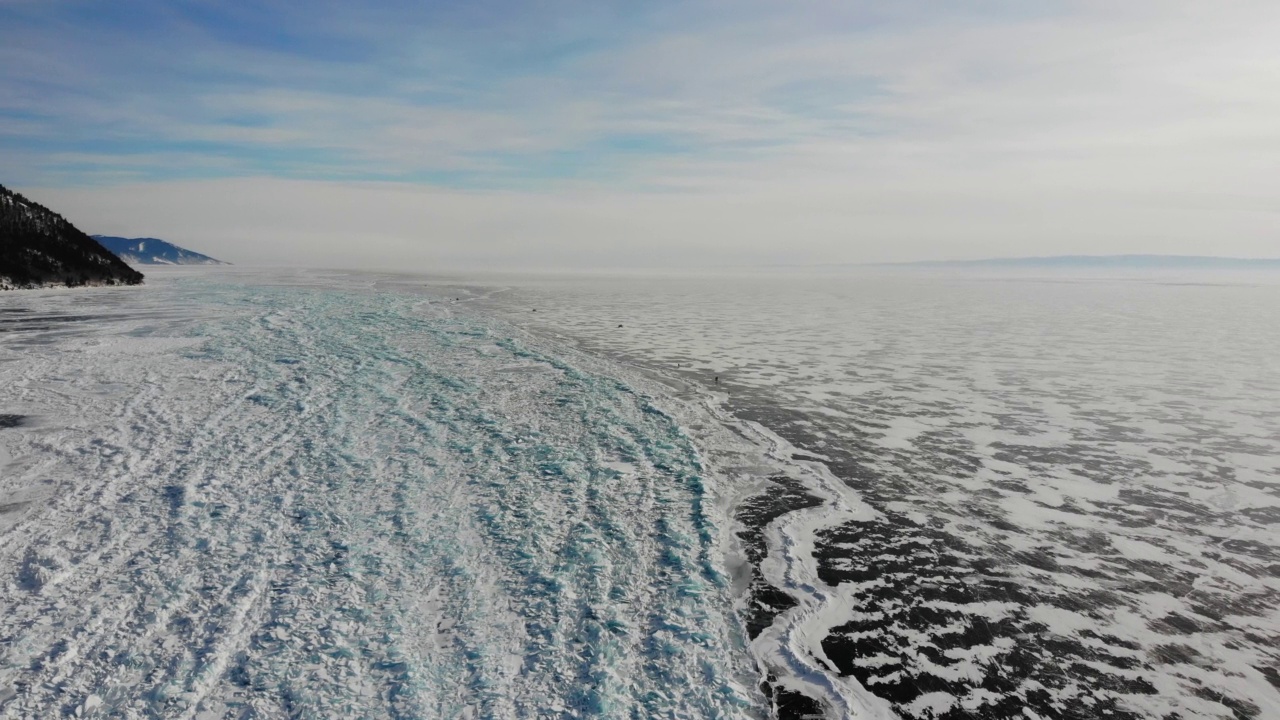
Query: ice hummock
<point>271,501</point>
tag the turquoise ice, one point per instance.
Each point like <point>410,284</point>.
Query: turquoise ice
<point>254,501</point>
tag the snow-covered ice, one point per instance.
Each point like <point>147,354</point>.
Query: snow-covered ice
<point>302,498</point>
<point>301,495</point>
<point>1069,486</point>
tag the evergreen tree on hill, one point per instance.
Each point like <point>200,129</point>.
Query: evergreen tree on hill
<point>40,248</point>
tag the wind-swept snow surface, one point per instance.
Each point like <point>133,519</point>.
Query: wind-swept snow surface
<point>222,500</point>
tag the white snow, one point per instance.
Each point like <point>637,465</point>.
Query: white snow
<point>316,501</point>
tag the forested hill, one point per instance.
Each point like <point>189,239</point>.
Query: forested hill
<point>39,248</point>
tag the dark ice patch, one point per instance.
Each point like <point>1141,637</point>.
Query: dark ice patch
<point>919,586</point>
<point>1174,653</point>
<point>1242,709</point>
<point>764,602</point>
<point>1169,502</point>
<point>790,705</point>
<point>1252,548</point>
<point>175,496</point>
<point>1174,624</point>
<point>41,323</point>
<point>1012,486</point>
<point>1091,462</point>
<point>922,600</point>
<point>1091,543</point>
<point>1040,559</point>
<point>950,452</point>
<point>1272,674</point>
<point>1263,515</point>
<point>13,507</point>
<point>781,496</point>
<point>1218,606</point>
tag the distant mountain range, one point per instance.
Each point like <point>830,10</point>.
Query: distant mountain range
<point>153,251</point>
<point>40,248</point>
<point>1104,262</point>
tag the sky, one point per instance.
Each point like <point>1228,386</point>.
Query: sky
<point>560,134</point>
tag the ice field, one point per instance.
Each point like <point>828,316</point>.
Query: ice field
<point>229,499</point>
<point>1073,483</point>
<point>264,495</point>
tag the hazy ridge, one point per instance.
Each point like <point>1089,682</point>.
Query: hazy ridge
<point>153,251</point>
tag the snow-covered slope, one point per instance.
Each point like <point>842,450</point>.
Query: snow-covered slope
<point>153,251</point>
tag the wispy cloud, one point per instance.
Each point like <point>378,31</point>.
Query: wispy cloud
<point>1005,117</point>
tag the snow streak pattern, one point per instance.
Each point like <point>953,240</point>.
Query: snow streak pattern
<point>292,502</point>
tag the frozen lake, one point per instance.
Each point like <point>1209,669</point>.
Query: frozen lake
<point>221,499</point>
<point>240,494</point>
<point>1074,483</point>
